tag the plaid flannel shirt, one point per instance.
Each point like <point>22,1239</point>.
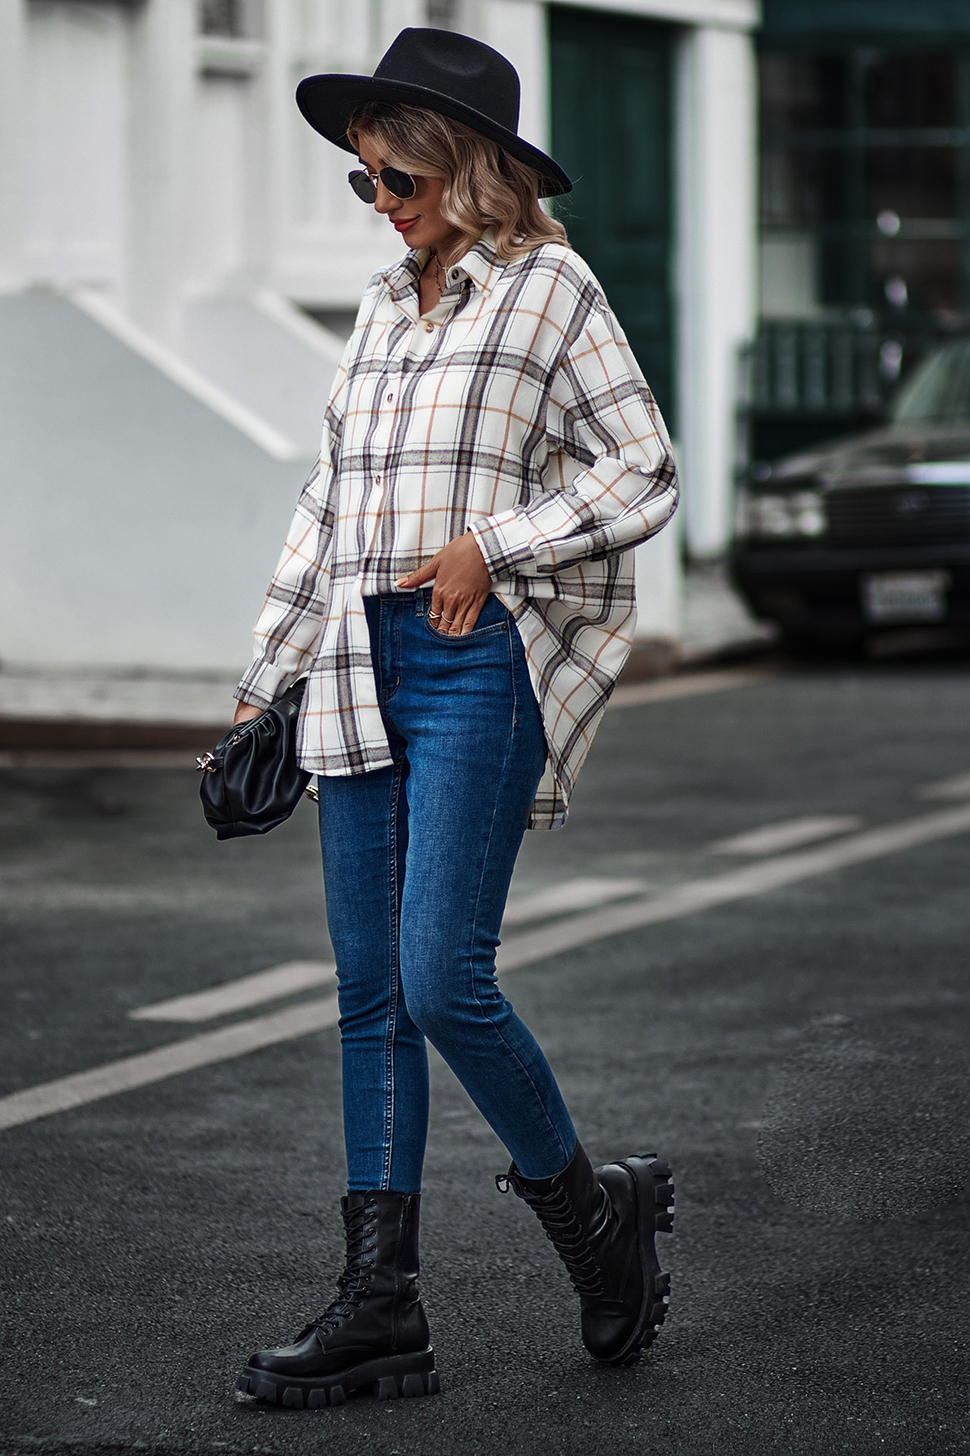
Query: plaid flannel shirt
<point>516,410</point>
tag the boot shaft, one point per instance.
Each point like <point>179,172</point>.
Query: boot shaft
<point>602,1225</point>
<point>579,1220</point>
<point>382,1264</point>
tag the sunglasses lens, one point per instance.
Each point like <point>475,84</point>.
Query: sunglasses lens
<point>400,184</point>
<point>363,186</point>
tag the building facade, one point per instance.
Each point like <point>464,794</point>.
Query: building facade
<point>864,244</point>
<point>180,260</point>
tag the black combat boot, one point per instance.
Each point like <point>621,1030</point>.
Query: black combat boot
<point>374,1336</point>
<point>602,1226</point>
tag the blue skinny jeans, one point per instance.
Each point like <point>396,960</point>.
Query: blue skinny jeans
<point>417,860</point>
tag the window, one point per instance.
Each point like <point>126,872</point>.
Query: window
<point>442,14</point>
<point>865,182</point>
<point>220,17</point>
<point>230,19</point>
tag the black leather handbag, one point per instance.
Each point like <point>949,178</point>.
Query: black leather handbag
<point>251,780</point>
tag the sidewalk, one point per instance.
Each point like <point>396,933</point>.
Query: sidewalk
<point>717,623</point>
<point>91,709</point>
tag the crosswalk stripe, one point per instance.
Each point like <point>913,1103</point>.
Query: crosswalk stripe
<point>239,995</point>
<point>273,984</point>
<point>521,950</point>
<point>145,1068</point>
<point>957,787</point>
<point>787,834</point>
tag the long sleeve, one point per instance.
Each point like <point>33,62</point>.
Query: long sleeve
<point>290,619</point>
<point>610,476</point>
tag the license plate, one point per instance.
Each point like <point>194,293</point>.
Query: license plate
<point>905,596</point>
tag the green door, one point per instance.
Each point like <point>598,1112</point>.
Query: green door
<point>612,131</point>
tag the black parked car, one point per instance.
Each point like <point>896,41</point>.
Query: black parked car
<point>869,532</point>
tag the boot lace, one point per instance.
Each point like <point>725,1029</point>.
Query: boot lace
<point>563,1229</point>
<point>360,1226</point>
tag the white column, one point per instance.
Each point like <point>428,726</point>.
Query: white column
<point>161,92</point>
<point>13,142</point>
<point>517,28</point>
<point>716,261</point>
<point>659,584</point>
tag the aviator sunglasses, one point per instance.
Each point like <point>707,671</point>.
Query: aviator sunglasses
<point>398,184</point>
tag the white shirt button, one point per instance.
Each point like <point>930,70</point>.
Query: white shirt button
<point>454,274</point>
<point>389,398</point>
<point>377,480</point>
<point>429,328</point>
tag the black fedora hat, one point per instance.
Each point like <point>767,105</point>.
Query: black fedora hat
<point>445,72</point>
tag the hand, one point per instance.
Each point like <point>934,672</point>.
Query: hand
<point>461,585</point>
<point>245,711</point>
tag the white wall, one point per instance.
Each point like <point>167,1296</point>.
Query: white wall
<point>139,527</point>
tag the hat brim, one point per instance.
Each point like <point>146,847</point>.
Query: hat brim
<point>328,102</point>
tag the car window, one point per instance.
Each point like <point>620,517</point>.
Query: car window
<point>939,390</point>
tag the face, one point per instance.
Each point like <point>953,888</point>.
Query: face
<point>418,219</point>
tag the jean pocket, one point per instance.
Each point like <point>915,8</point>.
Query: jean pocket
<point>494,617</point>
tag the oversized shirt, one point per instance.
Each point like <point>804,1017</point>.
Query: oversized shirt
<point>516,410</point>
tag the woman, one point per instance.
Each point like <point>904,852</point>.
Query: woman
<point>457,585</point>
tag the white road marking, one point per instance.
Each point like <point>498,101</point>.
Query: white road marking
<point>688,685</point>
<point>567,897</point>
<point>239,995</point>
<point>293,976</point>
<point>756,879</point>
<point>787,834</point>
<point>145,1068</point>
<point>521,950</point>
<point>957,787</point>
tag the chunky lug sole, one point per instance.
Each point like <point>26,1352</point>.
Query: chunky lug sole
<point>654,1187</point>
<point>388,1377</point>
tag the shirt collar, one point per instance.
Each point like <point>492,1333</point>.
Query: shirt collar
<point>480,263</point>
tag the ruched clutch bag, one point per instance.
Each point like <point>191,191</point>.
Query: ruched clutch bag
<point>251,780</point>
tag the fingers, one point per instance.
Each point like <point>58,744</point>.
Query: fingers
<point>467,618</point>
<point>461,585</point>
<point>454,615</point>
<point>421,575</point>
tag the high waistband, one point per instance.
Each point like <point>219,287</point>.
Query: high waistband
<point>419,599</point>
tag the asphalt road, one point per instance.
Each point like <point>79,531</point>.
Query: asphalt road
<point>795,1043</point>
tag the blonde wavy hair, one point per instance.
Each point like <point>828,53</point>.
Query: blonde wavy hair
<point>484,185</point>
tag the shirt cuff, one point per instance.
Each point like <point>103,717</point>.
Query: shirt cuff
<point>503,542</point>
<point>263,683</point>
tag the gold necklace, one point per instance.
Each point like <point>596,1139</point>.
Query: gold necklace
<point>439,272</point>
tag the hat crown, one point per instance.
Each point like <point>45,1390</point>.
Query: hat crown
<point>467,70</point>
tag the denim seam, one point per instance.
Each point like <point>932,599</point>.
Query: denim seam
<point>474,926</point>
<point>459,637</point>
<point>394,962</point>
